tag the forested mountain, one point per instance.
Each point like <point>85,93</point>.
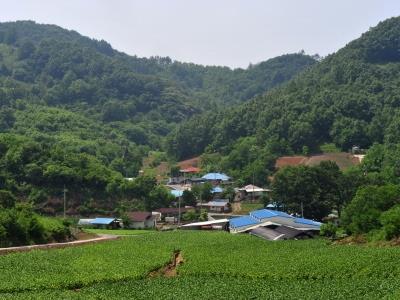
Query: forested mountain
<point>350,98</point>
<point>77,113</point>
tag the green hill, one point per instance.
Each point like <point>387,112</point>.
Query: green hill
<point>349,98</point>
<point>78,113</point>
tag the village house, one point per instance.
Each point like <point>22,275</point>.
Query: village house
<point>217,206</point>
<point>106,223</point>
<point>251,192</point>
<point>141,220</point>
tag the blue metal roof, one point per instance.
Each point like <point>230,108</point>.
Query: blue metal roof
<point>282,214</point>
<point>263,214</point>
<point>217,189</point>
<point>266,213</point>
<point>216,176</point>
<point>102,221</point>
<point>177,193</point>
<point>307,222</point>
<point>242,221</point>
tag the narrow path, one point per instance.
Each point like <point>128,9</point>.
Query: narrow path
<point>101,238</point>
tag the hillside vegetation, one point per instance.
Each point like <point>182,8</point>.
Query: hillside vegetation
<point>76,113</point>
<point>350,98</point>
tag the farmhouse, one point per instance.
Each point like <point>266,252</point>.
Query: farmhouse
<point>141,220</point>
<point>106,223</point>
<point>251,192</point>
<point>217,205</point>
<point>216,178</point>
<point>274,225</point>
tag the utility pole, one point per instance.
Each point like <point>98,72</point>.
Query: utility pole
<point>65,199</point>
<point>302,214</point>
<point>252,194</point>
<point>179,211</point>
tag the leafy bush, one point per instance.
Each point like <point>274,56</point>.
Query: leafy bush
<point>328,230</point>
<point>55,229</point>
<point>363,213</point>
<point>391,222</point>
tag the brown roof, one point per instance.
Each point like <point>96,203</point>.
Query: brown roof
<point>139,216</point>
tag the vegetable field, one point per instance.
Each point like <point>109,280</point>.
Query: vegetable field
<point>216,265</point>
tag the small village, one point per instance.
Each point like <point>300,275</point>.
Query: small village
<point>248,209</point>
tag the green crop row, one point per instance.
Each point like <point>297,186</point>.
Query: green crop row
<point>216,265</point>
<point>210,287</point>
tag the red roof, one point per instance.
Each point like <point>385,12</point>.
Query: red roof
<point>139,216</point>
<point>191,170</point>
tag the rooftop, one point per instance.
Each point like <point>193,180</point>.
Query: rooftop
<point>242,221</point>
<point>103,221</point>
<point>139,216</point>
<point>216,176</point>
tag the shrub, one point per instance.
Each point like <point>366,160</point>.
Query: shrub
<point>391,222</point>
<point>328,230</point>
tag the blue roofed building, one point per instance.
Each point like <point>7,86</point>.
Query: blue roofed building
<point>241,224</point>
<point>216,177</point>
<point>273,225</point>
<point>105,223</point>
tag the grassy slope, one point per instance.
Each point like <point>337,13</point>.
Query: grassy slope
<point>217,265</point>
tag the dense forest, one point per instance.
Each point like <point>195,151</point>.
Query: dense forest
<point>78,115</point>
<point>351,97</point>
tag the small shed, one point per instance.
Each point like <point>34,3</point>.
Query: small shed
<point>109,223</point>
<point>141,220</point>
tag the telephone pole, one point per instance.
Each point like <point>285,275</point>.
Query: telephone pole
<point>65,199</point>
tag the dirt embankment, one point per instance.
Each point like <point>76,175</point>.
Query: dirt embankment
<point>169,270</point>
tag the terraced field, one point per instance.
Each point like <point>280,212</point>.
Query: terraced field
<point>216,265</point>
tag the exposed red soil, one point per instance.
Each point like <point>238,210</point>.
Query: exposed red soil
<point>343,160</point>
<point>193,162</point>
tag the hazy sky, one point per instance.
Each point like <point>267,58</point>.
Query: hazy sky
<point>212,32</point>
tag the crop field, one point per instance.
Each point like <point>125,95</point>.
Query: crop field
<point>216,265</point>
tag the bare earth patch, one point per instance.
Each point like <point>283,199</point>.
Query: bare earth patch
<point>169,270</point>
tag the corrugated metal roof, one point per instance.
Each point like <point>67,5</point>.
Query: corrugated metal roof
<point>102,221</point>
<point>266,213</point>
<point>307,222</point>
<point>242,221</point>
<point>216,176</point>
